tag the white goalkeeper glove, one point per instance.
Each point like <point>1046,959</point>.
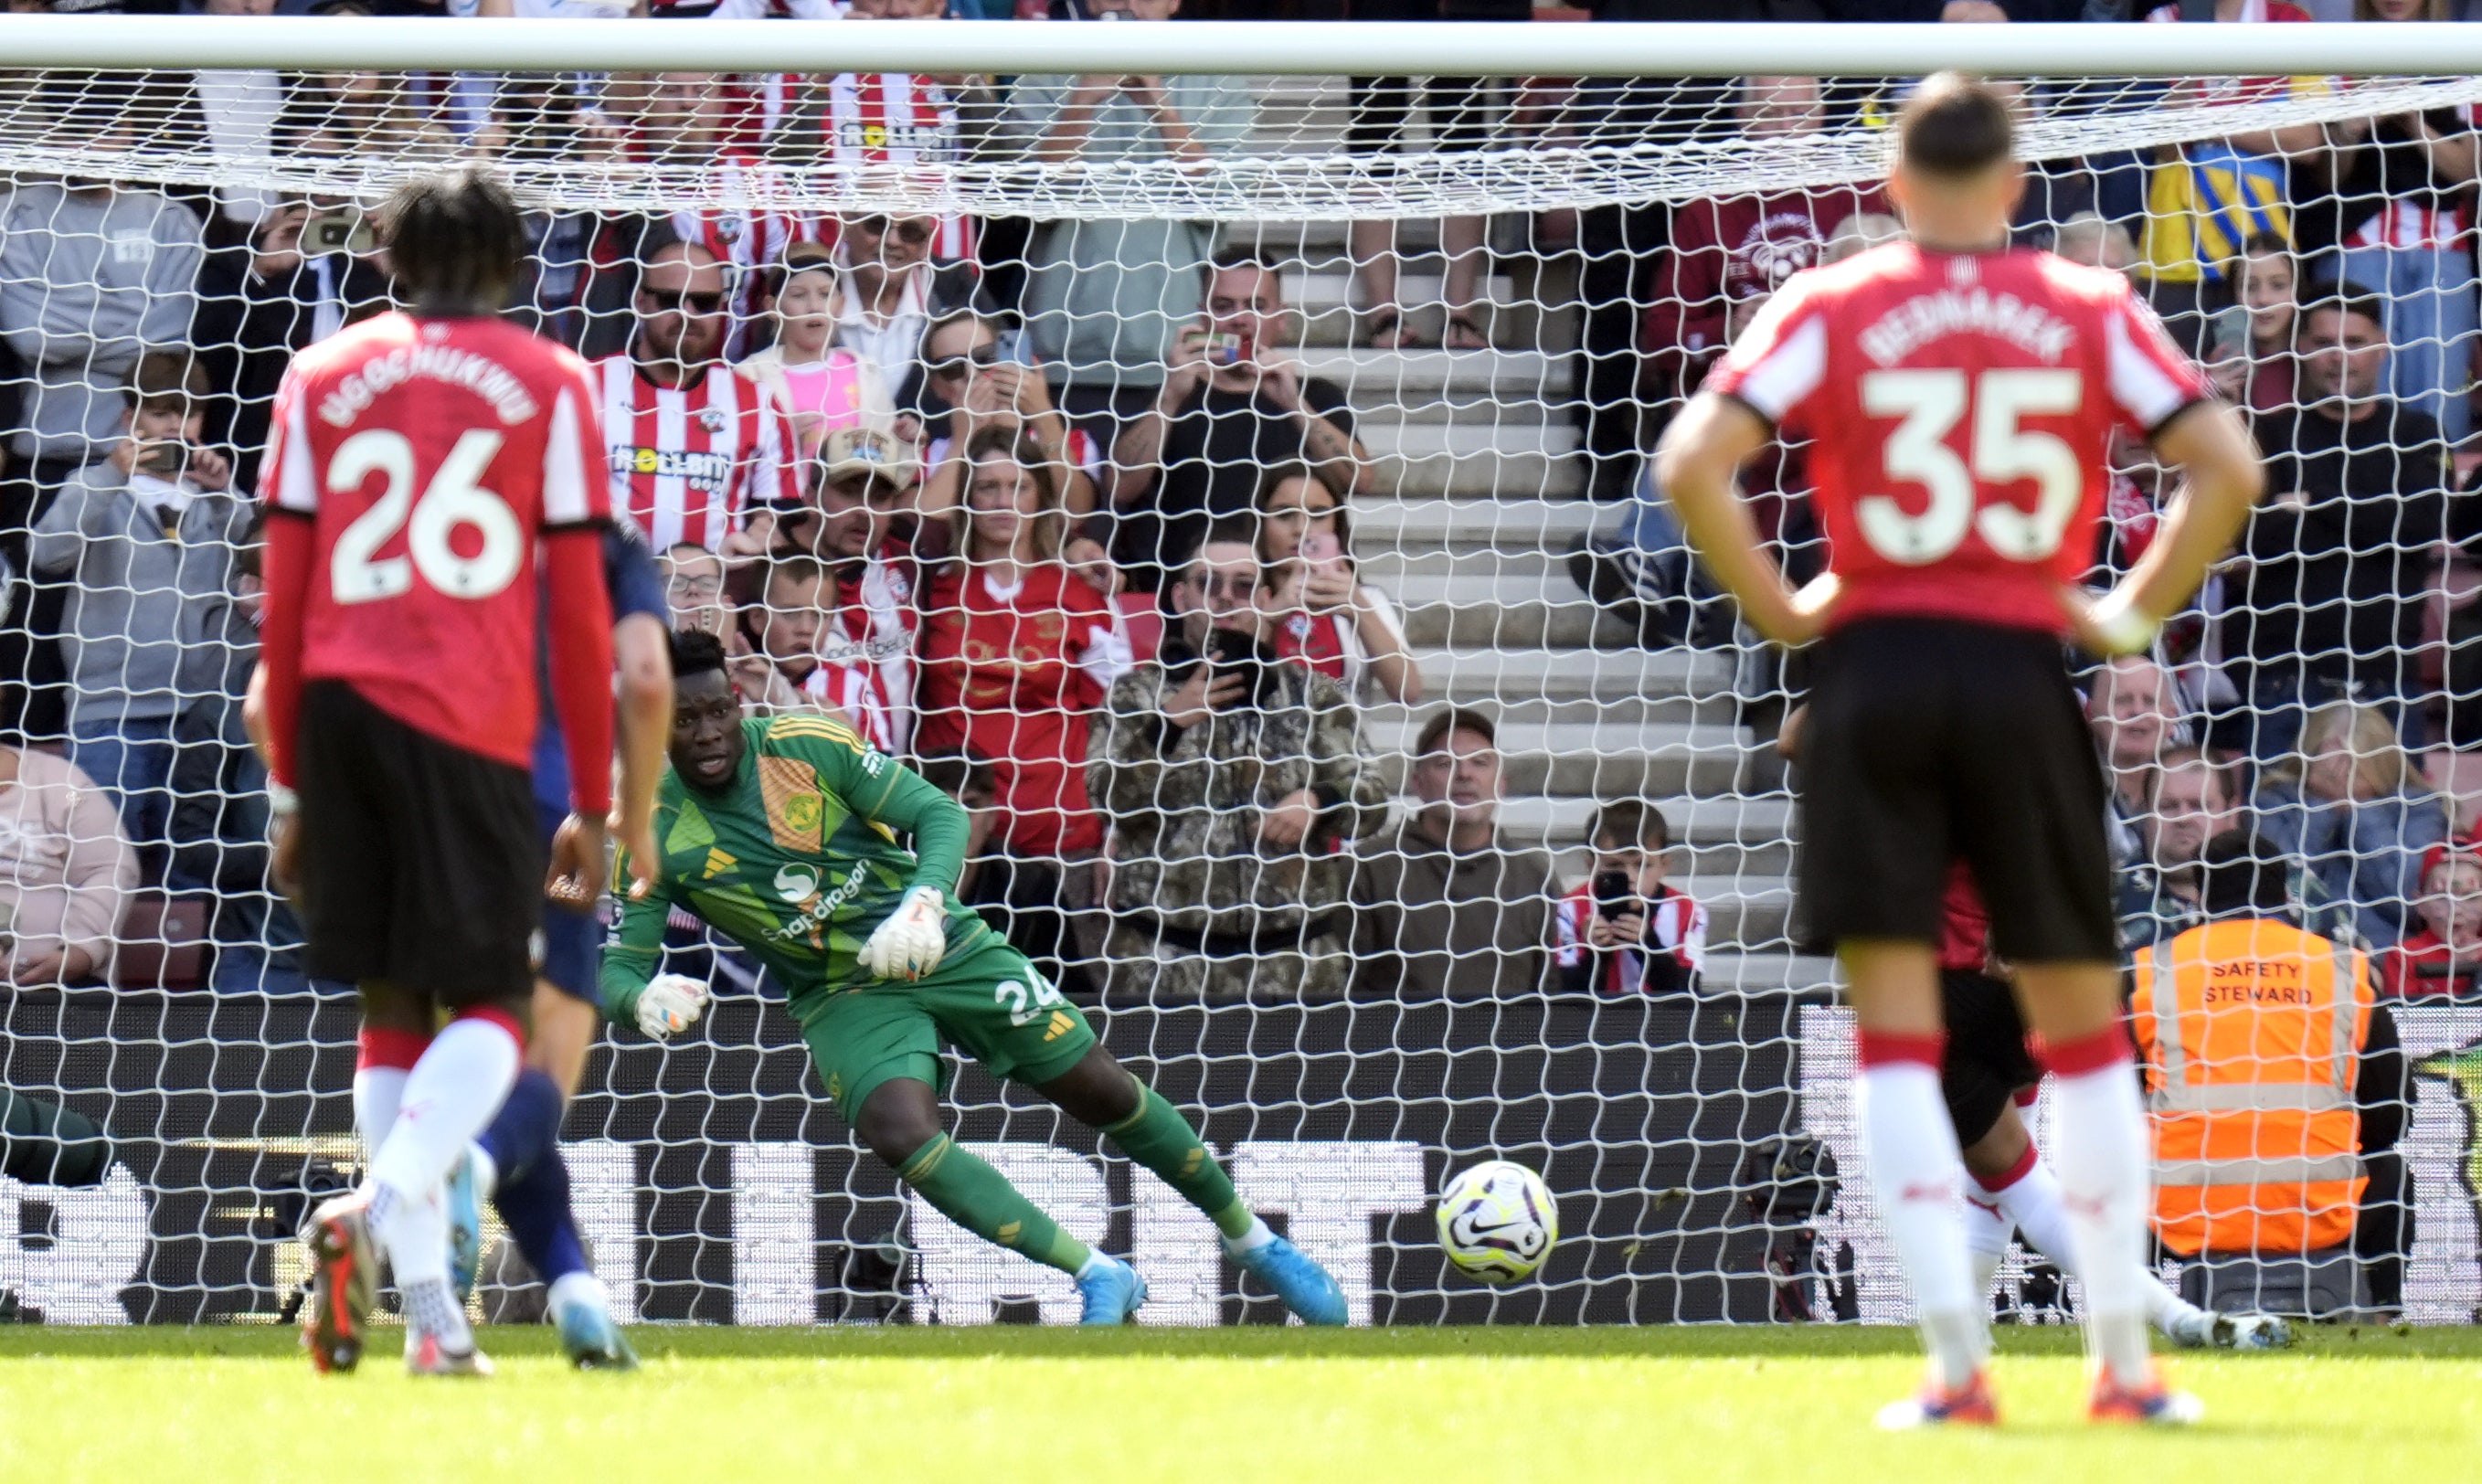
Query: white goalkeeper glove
<point>913,939</point>
<point>670,1003</point>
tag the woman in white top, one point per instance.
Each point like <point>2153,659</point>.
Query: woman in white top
<point>1325,615</point>
<point>822,386</point>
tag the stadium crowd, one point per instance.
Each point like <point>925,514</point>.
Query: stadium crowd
<point>1053,510</point>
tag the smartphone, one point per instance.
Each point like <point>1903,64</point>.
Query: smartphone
<point>337,230</point>
<point>1320,548</point>
<point>1614,894</point>
<point>1232,652</point>
<point>1225,349</point>
<point>168,461</point>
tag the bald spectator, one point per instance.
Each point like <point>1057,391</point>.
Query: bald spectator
<point>1447,908</point>
<point>2136,714</point>
<point>698,454</point>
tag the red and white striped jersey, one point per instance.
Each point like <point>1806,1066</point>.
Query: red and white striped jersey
<point>1669,958</point>
<point>691,464</point>
<point>748,229</point>
<point>888,118</point>
<point>868,642</point>
<point>1961,406</point>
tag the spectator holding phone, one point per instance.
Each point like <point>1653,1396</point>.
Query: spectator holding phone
<point>1624,929</point>
<point>1323,613</point>
<point>1234,404</point>
<point>1233,782</point>
<point>143,541</point>
<point>966,370</point>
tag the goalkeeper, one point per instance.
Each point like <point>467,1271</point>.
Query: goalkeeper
<point>781,833</point>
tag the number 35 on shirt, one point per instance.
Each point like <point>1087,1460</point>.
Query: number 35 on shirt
<point>1959,410</point>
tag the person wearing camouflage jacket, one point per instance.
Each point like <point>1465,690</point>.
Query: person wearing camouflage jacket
<point>1234,789</point>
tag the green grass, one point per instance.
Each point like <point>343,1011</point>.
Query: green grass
<point>1019,1406</point>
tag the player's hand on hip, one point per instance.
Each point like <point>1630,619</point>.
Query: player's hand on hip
<point>579,861</point>
<point>1807,612</point>
<point>670,1003</point>
<point>913,939</point>
<point>2111,624</point>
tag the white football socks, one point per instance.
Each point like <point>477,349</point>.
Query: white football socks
<point>2099,1144</point>
<point>1917,1175</point>
<point>579,1287</point>
<point>2031,1203</point>
<point>1987,1236</point>
<point>1259,1236</point>
<point>451,1096</point>
<point>376,1092</point>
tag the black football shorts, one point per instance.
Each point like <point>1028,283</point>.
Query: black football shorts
<point>1987,1057</point>
<point>421,863</point>
<point>1930,740</point>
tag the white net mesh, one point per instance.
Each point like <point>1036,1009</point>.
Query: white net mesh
<point>811,301</point>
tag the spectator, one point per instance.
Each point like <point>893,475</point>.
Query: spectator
<point>2352,809</point>
<point>822,386</point>
<point>1233,782</point>
<point>1105,299</point>
<point>2134,710</point>
<point>1445,908</point>
<point>1232,406</point>
<point>2190,799</point>
<point>1729,251</point>
<point>2341,552</point>
<point>2439,959</point>
<point>348,112</point>
<point>775,661</point>
<point>261,301</point>
<point>1857,234</point>
<point>2272,1142</point>
<point>699,454</point>
<point>2400,219</point>
<point>1324,615</point>
<point>143,541</point>
<point>219,825</point>
<point>866,651</point>
<point>892,287</point>
<point>694,589</point>
<point>2096,242</point>
<point>1017,649</point>
<point>2204,200</point>
<point>2256,334</point>
<point>1624,930</point>
<point>92,275</point>
<point>964,370</point>
<point>1459,112</point>
<point>65,871</point>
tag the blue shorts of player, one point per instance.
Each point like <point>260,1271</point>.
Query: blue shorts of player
<point>572,940</point>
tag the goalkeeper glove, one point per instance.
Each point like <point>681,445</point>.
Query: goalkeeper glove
<point>910,942</point>
<point>669,1002</point>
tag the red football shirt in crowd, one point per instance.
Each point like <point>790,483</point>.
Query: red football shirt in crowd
<point>1013,677</point>
<point>1960,407</point>
<point>691,463</point>
<point>419,471</point>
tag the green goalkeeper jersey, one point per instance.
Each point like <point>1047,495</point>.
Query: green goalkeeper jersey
<point>797,861</point>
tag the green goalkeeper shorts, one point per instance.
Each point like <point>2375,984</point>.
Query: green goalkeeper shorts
<point>992,1004</point>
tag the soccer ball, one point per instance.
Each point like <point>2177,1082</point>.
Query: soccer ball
<point>1497,1222</point>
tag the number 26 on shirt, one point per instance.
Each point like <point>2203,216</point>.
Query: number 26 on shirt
<point>1931,404</point>
<point>453,499</point>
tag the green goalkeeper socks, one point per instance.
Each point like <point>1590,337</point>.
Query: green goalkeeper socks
<point>967,1191</point>
<point>1159,1138</point>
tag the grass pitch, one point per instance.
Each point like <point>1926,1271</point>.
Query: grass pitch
<point>1024,1406</point>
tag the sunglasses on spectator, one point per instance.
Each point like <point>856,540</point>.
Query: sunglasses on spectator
<point>911,231</point>
<point>676,302</point>
<point>959,365</point>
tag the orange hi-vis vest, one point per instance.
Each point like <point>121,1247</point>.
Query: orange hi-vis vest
<point>2252,1032</point>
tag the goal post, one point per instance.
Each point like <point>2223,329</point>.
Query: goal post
<point>1478,303</point>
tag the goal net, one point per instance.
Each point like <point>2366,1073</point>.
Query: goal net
<point>972,406</point>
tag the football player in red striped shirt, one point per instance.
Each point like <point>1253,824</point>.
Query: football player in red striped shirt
<point>697,453</point>
<point>1960,395</point>
<point>423,467</point>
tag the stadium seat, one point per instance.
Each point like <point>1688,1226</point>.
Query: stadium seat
<point>163,942</point>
